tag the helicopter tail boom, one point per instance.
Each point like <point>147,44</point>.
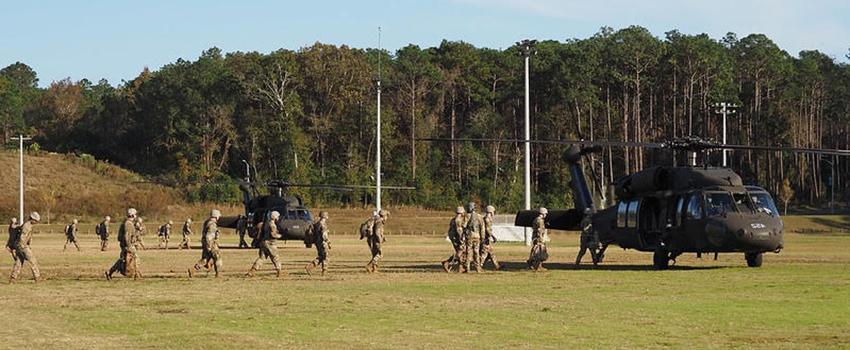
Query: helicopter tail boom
<point>569,219</point>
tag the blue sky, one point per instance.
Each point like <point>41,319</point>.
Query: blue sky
<point>115,39</point>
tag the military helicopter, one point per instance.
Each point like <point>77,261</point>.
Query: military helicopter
<point>671,210</point>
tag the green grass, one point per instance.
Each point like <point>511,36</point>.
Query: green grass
<point>798,299</point>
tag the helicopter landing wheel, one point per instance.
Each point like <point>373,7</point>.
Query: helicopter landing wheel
<point>754,259</point>
<point>661,258</point>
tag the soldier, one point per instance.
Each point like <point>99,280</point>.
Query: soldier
<point>210,252</point>
<point>21,248</point>
<point>489,239</point>
<point>268,234</point>
<point>472,238</point>
<point>187,231</point>
<point>589,239</point>
<point>164,233</point>
<point>455,236</point>
<point>376,239</point>
<point>71,235</point>
<point>323,244</point>
<point>539,235</point>
<point>102,231</point>
<point>128,262</point>
<point>241,229</point>
<point>139,233</point>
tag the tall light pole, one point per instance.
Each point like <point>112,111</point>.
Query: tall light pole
<point>378,126</point>
<point>21,140</point>
<point>527,48</point>
<point>724,109</point>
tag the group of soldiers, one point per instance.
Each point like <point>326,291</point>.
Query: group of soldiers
<point>472,238</point>
<point>470,233</point>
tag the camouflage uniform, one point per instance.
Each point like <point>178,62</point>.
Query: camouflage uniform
<point>138,234</point>
<point>375,240</point>
<point>128,260</point>
<point>455,236</point>
<point>22,251</point>
<point>71,235</point>
<point>187,231</point>
<point>267,247</point>
<point>589,240</point>
<point>488,240</point>
<point>164,234</point>
<point>102,231</point>
<point>472,239</point>
<point>323,244</point>
<point>539,234</point>
<point>241,229</point>
<point>210,252</point>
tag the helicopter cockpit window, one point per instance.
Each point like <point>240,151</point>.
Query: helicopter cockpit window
<point>679,212</point>
<point>621,214</point>
<point>304,215</point>
<point>743,201</point>
<point>290,214</point>
<point>720,203</point>
<point>764,203</point>
<point>694,209</point>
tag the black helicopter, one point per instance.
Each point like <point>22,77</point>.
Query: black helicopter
<point>671,210</point>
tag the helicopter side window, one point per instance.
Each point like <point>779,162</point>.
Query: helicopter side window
<point>632,217</point>
<point>621,214</point>
<point>720,203</point>
<point>677,211</point>
<point>694,210</point>
<point>304,215</point>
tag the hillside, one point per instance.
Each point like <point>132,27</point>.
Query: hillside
<point>61,186</point>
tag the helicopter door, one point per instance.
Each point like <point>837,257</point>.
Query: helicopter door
<point>649,228</point>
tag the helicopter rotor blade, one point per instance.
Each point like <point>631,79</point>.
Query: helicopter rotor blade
<point>688,144</point>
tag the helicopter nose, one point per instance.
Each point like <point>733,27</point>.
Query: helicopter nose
<point>756,237</point>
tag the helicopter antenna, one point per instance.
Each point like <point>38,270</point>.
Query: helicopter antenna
<point>378,132</point>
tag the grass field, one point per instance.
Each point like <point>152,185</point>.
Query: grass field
<point>799,299</point>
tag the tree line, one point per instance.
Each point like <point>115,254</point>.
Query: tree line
<point>308,116</point>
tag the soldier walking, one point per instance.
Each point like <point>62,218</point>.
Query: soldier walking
<point>376,239</point>
<point>164,233</point>
<point>138,236</point>
<point>472,238</point>
<point>455,234</point>
<point>589,239</point>
<point>323,244</point>
<point>539,235</point>
<point>71,235</point>
<point>187,231</point>
<point>489,239</point>
<point>102,231</point>
<point>241,230</point>
<point>210,252</point>
<point>268,234</point>
<point>128,260</point>
<point>21,248</point>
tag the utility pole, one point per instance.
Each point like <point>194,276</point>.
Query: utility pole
<point>527,48</point>
<point>378,126</point>
<point>724,108</point>
<point>21,140</point>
